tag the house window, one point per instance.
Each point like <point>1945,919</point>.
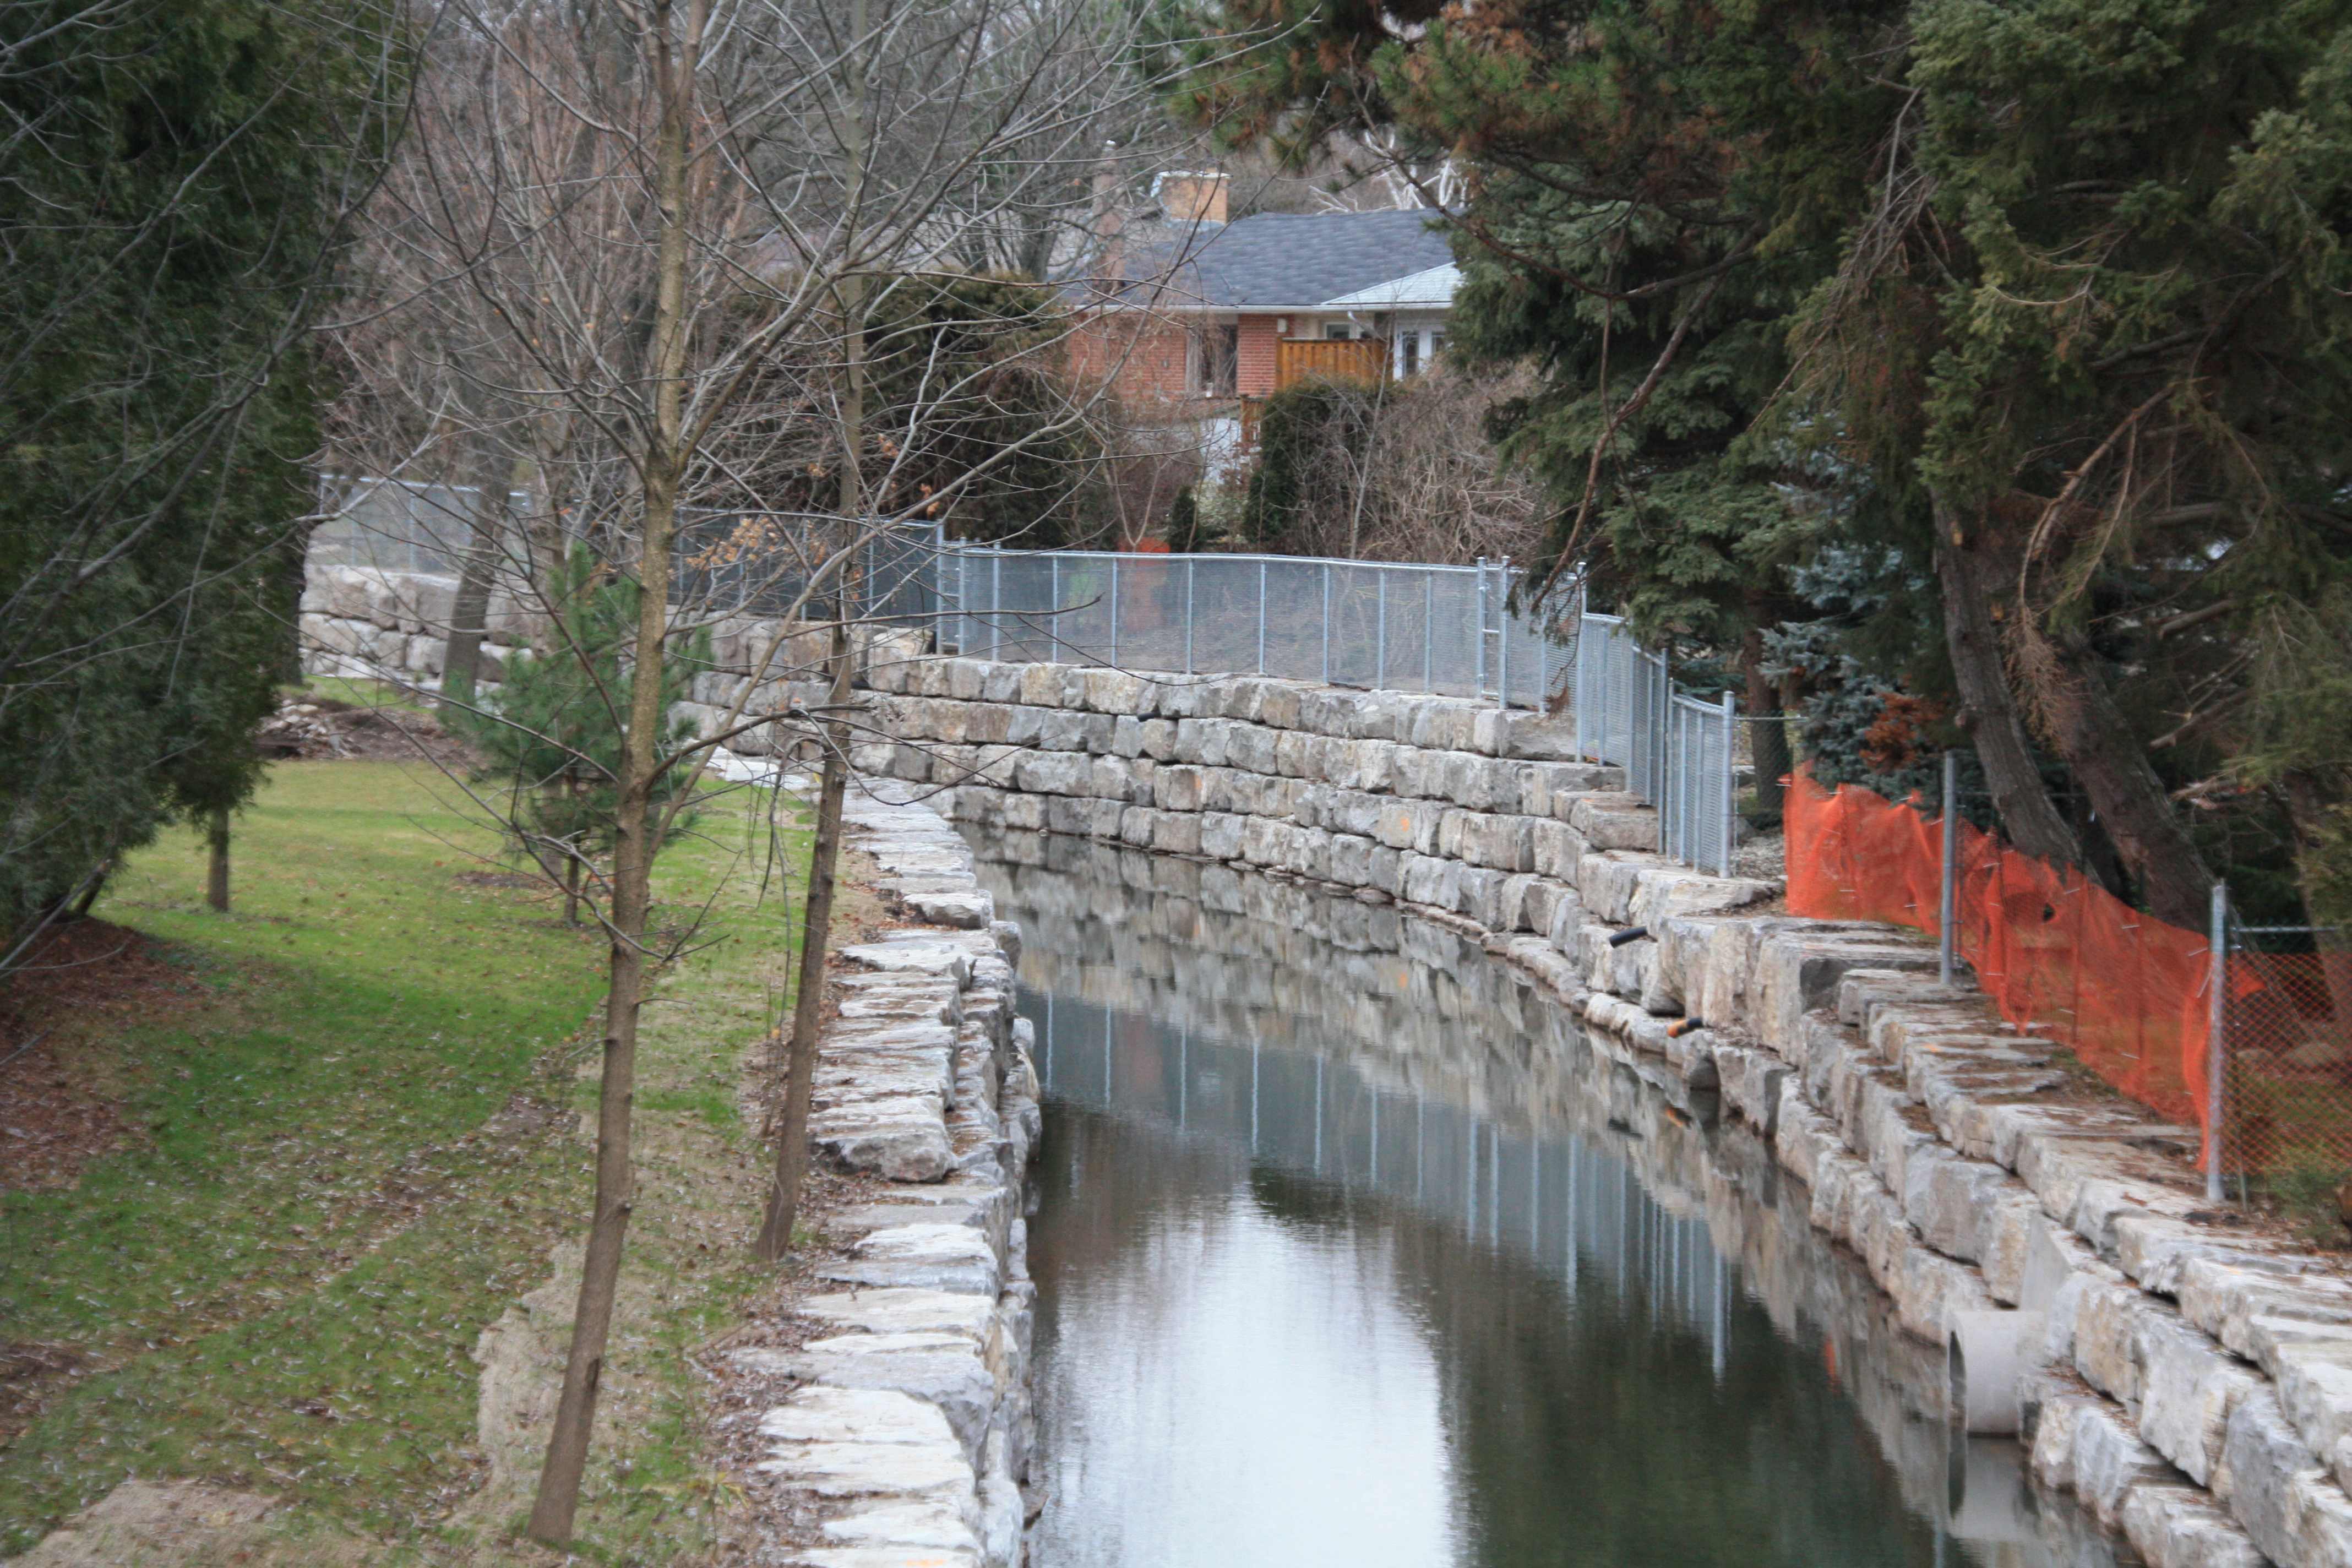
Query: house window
<point>1336,331</point>
<point>1436,345</point>
<point>1409,354</point>
<point>1216,357</point>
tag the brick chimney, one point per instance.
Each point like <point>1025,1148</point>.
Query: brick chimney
<point>1191,196</point>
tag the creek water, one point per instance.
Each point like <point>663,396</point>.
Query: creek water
<point>1352,1249</point>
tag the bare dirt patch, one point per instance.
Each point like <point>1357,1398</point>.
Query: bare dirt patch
<point>327,728</point>
<point>60,1095</point>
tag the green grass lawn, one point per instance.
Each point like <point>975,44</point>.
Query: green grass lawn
<point>355,1147</point>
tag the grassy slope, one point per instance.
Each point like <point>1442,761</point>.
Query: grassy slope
<point>361,1143</point>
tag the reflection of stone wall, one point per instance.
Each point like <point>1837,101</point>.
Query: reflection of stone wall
<point>1420,1012</point>
<point>1940,1145</point>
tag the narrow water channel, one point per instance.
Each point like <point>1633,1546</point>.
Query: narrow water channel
<point>1351,1249</point>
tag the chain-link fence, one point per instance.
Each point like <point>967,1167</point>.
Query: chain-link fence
<point>2286,1021</point>
<point>397,525</point>
<point>1378,625</point>
<point>725,562</point>
<point>1679,754</point>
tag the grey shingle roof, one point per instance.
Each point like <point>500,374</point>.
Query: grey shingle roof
<point>1281,258</point>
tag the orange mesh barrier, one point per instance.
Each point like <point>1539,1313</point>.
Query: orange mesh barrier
<point>2057,954</point>
<point>2289,1094</point>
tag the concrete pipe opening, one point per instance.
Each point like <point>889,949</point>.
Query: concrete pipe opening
<point>1985,1355</point>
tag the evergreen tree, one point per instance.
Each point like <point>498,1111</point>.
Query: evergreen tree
<point>554,734</point>
<point>170,181</point>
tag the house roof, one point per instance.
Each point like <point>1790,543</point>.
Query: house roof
<point>1430,290</point>
<point>1297,261</point>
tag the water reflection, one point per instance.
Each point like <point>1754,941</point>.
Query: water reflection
<point>1351,1251</point>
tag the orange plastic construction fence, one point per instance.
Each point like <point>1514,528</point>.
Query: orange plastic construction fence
<point>2057,954</point>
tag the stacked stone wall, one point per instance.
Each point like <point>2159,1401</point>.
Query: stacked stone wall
<point>2195,1385</point>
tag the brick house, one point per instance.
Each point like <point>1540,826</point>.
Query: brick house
<point>1193,318</point>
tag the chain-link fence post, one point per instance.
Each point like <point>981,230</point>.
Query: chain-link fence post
<point>1428,629</point>
<point>1261,615</point>
<point>1502,638</point>
<point>938,587</point>
<point>1114,611</point>
<point>1380,628</point>
<point>1947,901</point>
<point>2217,1039</point>
<point>1189,572</point>
<point>996,599</point>
<point>1478,635</point>
<point>1053,610</point>
<point>1730,781</point>
<point>1327,623</point>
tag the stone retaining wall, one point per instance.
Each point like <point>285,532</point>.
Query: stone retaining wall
<point>1424,1011</point>
<point>909,1427</point>
<point>2198,1386</point>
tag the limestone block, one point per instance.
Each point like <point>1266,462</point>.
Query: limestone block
<point>1352,861</point>
<point>1513,914</point>
<point>1554,848</point>
<point>1614,822</point>
<point>1251,747</point>
<point>965,678</point>
<point>1661,895</point>
<point>1137,825</point>
<point>1479,784</point>
<point>1158,738</point>
<point>2190,1387</point>
<point>2109,1461</point>
<point>1023,812</point>
<point>1607,882</point>
<point>1752,1081</point>
<point>1427,880</point>
<point>1115,691</point>
<point>430,655</point>
<point>1408,825</point>
<point>1001,684</point>
<point>1478,893</point>
<point>1025,726</point>
<point>1115,778</point>
<point>2290,1508</point>
<point>1126,736</point>
<point>1055,773</point>
<point>987,723</point>
<point>1275,703</point>
<point>1950,1200</point>
<point>333,635</point>
<point>1361,764</point>
<point>1203,741</point>
<point>1544,897</point>
<point>2313,1380</point>
<point>1183,699</point>
<point>1417,774</point>
<point>1536,737</point>
<point>1041,685</point>
<point>1179,788</point>
<point>1444,725</point>
<point>1377,716</point>
<point>2180,1527</point>
<point>1299,755</point>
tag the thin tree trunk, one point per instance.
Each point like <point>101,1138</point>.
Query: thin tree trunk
<point>216,873</point>
<point>775,1238</point>
<point>1769,734</point>
<point>557,1503</point>
<point>461,660</point>
<point>1969,568</point>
